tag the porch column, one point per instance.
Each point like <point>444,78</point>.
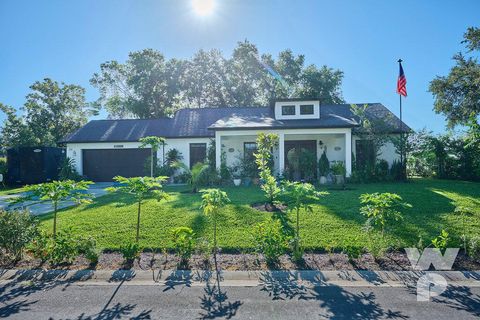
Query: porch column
<point>218,150</point>
<point>281,152</point>
<point>348,153</point>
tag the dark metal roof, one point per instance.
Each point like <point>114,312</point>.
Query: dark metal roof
<point>202,122</point>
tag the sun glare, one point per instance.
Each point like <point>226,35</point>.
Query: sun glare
<point>203,7</point>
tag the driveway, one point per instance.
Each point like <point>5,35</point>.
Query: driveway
<point>42,207</point>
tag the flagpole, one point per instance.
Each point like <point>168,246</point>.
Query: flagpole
<point>401,132</point>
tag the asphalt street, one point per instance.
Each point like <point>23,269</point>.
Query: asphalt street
<point>274,300</point>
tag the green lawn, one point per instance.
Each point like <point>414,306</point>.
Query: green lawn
<point>10,190</point>
<point>335,221</point>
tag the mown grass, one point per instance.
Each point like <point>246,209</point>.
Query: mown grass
<point>335,221</point>
<point>10,190</point>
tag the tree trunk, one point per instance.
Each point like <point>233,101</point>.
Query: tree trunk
<point>55,206</point>
<point>138,222</point>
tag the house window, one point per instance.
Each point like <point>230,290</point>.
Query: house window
<point>288,110</point>
<point>249,148</point>
<point>198,153</point>
<point>306,109</point>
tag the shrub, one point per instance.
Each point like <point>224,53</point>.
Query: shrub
<point>40,246</point>
<point>87,246</point>
<point>474,248</point>
<point>441,241</point>
<point>270,240</point>
<point>183,242</point>
<point>338,168</point>
<point>17,229</point>
<point>323,164</point>
<point>381,170</point>
<point>308,164</point>
<point>265,144</point>
<point>63,248</point>
<point>381,208</point>
<point>397,171</point>
<point>68,170</point>
<point>130,251</point>
<point>3,166</point>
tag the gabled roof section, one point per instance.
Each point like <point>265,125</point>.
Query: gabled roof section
<point>202,122</point>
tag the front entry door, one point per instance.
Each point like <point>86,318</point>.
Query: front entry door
<point>301,159</point>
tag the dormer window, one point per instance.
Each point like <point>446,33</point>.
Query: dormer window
<point>306,109</point>
<point>292,109</point>
<point>288,110</point>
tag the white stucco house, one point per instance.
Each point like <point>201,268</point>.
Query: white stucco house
<point>104,148</point>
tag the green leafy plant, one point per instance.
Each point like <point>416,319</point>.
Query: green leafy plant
<point>57,191</point>
<point>140,188</point>
<point>270,240</point>
<point>68,170</point>
<point>441,241</point>
<point>184,242</point>
<point>87,246</point>
<point>299,196</point>
<point>204,248</point>
<point>64,248</point>
<point>265,144</point>
<point>130,251</point>
<point>308,164</point>
<point>212,201</point>
<point>17,229</point>
<point>40,246</point>
<point>197,176</point>
<point>474,247</point>
<point>338,168</point>
<point>154,143</point>
<point>323,164</point>
<point>381,208</point>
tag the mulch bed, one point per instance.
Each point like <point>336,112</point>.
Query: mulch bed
<point>392,261</point>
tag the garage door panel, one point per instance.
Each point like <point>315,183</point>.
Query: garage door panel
<point>104,164</point>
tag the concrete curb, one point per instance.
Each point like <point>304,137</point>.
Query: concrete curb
<point>307,278</point>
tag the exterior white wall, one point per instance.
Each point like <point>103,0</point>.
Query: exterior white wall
<point>387,151</point>
<point>279,104</point>
<point>74,150</point>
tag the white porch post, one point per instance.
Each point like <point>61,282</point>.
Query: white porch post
<point>218,150</point>
<point>281,152</point>
<point>348,152</point>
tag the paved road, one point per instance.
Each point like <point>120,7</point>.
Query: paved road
<point>118,300</point>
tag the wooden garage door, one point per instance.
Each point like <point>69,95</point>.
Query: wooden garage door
<point>104,164</point>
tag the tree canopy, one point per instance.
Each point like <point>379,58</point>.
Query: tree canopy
<point>457,95</point>
<point>52,111</point>
<point>148,85</point>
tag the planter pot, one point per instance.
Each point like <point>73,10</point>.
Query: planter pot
<point>339,179</point>
<point>247,181</point>
<point>323,180</point>
<point>237,182</point>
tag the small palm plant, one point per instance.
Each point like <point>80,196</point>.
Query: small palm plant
<point>298,196</point>
<point>141,188</point>
<point>212,201</point>
<point>154,143</point>
<point>57,191</point>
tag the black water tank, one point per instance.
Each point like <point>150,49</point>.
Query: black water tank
<point>29,165</point>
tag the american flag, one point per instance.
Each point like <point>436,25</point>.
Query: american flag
<point>402,83</point>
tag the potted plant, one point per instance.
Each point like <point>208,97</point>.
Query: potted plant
<point>237,180</point>
<point>323,167</point>
<point>338,168</point>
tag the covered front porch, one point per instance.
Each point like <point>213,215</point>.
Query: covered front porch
<point>295,145</point>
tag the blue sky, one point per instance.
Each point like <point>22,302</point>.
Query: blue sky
<point>67,41</point>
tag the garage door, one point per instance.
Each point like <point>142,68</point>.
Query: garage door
<point>104,164</point>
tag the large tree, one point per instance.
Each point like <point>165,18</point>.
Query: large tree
<point>51,112</point>
<point>148,86</point>
<point>457,95</point>
<point>145,86</point>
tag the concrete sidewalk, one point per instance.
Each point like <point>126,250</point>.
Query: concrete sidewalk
<point>307,278</point>
<point>43,207</point>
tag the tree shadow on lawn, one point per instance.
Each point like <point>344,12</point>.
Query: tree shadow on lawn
<point>426,217</point>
